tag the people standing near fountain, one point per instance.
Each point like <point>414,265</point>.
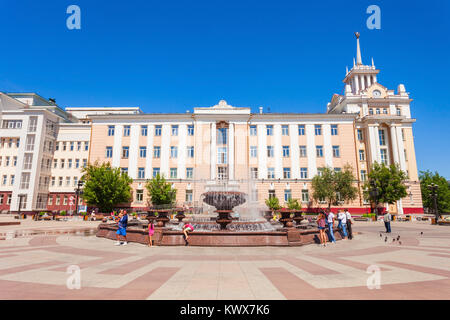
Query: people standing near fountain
<point>186,229</point>
<point>349,224</point>
<point>321,224</point>
<point>122,228</point>
<point>342,218</point>
<point>151,231</point>
<point>330,220</point>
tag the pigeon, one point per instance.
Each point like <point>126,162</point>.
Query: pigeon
<point>381,235</point>
<point>399,242</point>
<point>398,238</point>
<point>421,233</point>
<point>393,240</point>
<point>385,239</point>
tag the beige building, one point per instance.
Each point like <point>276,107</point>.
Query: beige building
<point>262,154</point>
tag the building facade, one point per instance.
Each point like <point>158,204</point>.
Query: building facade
<point>43,147</point>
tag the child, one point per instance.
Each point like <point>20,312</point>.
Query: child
<point>186,229</point>
<point>151,231</point>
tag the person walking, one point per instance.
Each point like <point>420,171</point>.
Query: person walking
<point>330,220</point>
<point>151,231</point>
<point>342,225</point>
<point>349,224</point>
<point>321,224</point>
<point>122,230</point>
<point>387,221</point>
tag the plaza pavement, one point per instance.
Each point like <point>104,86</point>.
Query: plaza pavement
<point>35,267</point>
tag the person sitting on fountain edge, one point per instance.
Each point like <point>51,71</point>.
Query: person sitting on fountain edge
<point>186,229</point>
<point>122,230</point>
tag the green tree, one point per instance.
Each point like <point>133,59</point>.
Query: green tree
<point>161,192</point>
<point>443,192</point>
<point>293,204</point>
<point>334,186</point>
<point>105,187</point>
<point>273,203</point>
<point>389,181</point>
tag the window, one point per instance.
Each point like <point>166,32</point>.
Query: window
<point>60,181</point>
<point>139,195</point>
<point>363,175</point>
<point>124,170</point>
<point>32,124</point>
<point>14,161</point>
<point>158,130</point>
<point>72,146</point>
<point>190,130</point>
<point>84,163</point>
<point>362,155</point>
<point>190,152</point>
<point>334,130</point>
<point>189,173</point>
<point>77,162</point>
<point>270,151</point>
<point>156,152</point>
<point>25,181</point>
<point>286,151</point>
<point>404,151</point>
<point>67,181</point>
<point>303,173</point>
<point>144,131</point>
<point>111,130</point>
<point>271,194</point>
<point>189,196</point>
<point>156,172</point>
<point>222,136</point>
<point>69,163</point>
<point>173,173</point>
<point>173,152</point>
<point>50,201</point>
<point>30,143</point>
<point>175,130</point>
<point>254,173</point>
<point>253,151</point>
<point>222,155</point>
<point>126,131</point>
<point>75,181</point>
<point>109,152</point>
<point>143,152</point>
<point>336,152</point>
<point>378,111</point>
<point>55,163</point>
<point>403,134</point>
<point>65,200</point>
<point>285,130</point>
<point>360,134</point>
<point>319,172</point>
<point>319,151</point>
<point>6,161</point>
<point>58,200</point>
<point>53,181</point>
<point>79,146</point>
<point>301,129</point>
<point>4,180</point>
<point>253,131</point>
<point>286,173</point>
<point>302,151</point>
<point>305,196</point>
<point>371,111</point>
<point>86,145</point>
<point>270,173</point>
<point>12,124</point>
<point>269,129</point>
<point>125,152</point>
<point>141,173</point>
<point>57,146</point>
<point>18,144</point>
<point>385,111</point>
<point>383,153</point>
<point>62,163</point>
<point>318,130</point>
<point>398,111</point>
<point>337,169</point>
<point>382,137</point>
<point>287,195</point>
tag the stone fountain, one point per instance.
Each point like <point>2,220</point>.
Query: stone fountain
<point>224,202</point>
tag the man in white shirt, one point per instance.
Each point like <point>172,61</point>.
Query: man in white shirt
<point>330,221</point>
<point>349,224</point>
<point>342,217</point>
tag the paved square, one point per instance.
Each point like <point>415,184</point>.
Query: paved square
<point>415,267</point>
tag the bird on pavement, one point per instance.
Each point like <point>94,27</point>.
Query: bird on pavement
<point>393,240</point>
<point>421,233</point>
<point>385,239</point>
<point>381,235</point>
<point>399,242</point>
<point>398,238</point>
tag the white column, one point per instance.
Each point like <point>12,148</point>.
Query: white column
<point>377,142</point>
<point>278,153</point>
<point>311,150</point>
<point>134,152</point>
<point>328,150</point>
<point>182,151</point>
<point>394,144</point>
<point>117,148</point>
<point>148,160</point>
<point>295,152</point>
<point>373,145</point>
<point>401,148</point>
<point>231,152</point>
<point>165,150</point>
<point>262,151</point>
<point>213,155</point>
<point>356,79</point>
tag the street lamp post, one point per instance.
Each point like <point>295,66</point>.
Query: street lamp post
<point>433,189</point>
<point>78,192</point>
<point>374,195</point>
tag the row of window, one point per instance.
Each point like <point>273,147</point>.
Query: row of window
<point>144,130</point>
<point>301,130</point>
<point>143,152</point>
<point>8,199</point>
<point>9,161</point>
<point>5,180</point>
<point>58,198</point>
<point>71,163</point>
<point>72,146</point>
<point>156,171</point>
<point>60,182</point>
<point>286,151</point>
<point>385,111</point>
<point>9,142</point>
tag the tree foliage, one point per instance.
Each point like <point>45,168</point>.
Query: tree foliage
<point>161,192</point>
<point>105,187</point>
<point>273,203</point>
<point>443,191</point>
<point>293,204</point>
<point>389,181</point>
<point>334,186</point>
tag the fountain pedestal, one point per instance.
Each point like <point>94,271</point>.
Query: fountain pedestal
<point>224,218</point>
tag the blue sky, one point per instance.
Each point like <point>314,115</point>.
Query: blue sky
<point>289,56</point>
